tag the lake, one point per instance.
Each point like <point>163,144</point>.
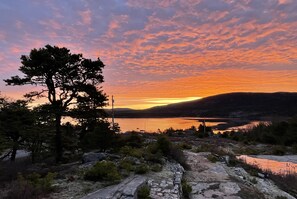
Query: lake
<point>288,166</point>
<point>153,124</point>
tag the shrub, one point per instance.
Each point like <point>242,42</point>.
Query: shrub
<point>102,136</point>
<point>104,170</point>
<point>156,167</point>
<point>154,158</point>
<point>126,165</point>
<point>141,169</point>
<point>212,158</point>
<point>171,151</point>
<point>185,145</point>
<point>186,188</point>
<point>143,193</point>
<point>129,151</point>
<point>163,144</point>
<point>278,150</point>
<point>178,155</point>
<point>204,148</point>
<point>134,139</point>
<point>254,181</point>
<point>33,186</point>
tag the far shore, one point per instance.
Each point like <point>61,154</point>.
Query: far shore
<point>284,158</point>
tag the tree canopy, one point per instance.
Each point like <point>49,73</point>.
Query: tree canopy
<point>16,123</point>
<point>67,80</point>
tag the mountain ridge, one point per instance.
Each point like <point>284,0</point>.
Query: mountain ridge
<point>237,104</point>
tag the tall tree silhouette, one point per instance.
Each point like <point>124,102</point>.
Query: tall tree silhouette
<point>65,79</point>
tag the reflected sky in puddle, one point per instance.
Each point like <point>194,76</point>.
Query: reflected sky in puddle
<point>271,165</point>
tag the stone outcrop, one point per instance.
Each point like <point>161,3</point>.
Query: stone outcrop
<point>209,180</point>
<point>127,189</point>
<point>167,183</point>
<point>93,157</point>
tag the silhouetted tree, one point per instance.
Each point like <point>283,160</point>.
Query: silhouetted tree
<point>16,122</point>
<point>66,79</point>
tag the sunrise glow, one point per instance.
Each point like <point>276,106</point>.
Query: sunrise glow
<point>161,52</point>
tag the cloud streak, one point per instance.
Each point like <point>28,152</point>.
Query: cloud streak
<point>151,48</point>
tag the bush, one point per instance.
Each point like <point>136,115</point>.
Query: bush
<point>143,193</point>
<point>186,188</point>
<point>154,158</point>
<point>129,151</point>
<point>126,165</point>
<point>156,167</point>
<point>212,158</point>
<point>141,169</point>
<point>134,140</point>
<point>278,150</point>
<point>185,145</point>
<point>179,156</point>
<point>104,170</point>
<point>204,148</point>
<point>164,145</point>
<point>171,151</point>
<point>254,181</point>
<point>33,186</point>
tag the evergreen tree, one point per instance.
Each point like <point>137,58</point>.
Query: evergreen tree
<point>16,122</point>
<point>66,79</point>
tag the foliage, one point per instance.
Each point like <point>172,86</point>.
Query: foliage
<point>171,132</point>
<point>104,170</point>
<point>126,165</point>
<point>102,137</point>
<point>156,167</point>
<point>170,150</point>
<point>67,79</point>
<point>212,158</point>
<point>33,186</point>
<point>164,145</point>
<point>279,133</point>
<point>129,151</point>
<point>278,150</point>
<point>203,131</point>
<point>254,181</point>
<point>143,192</point>
<point>187,189</point>
<point>134,140</point>
<point>185,145</point>
<point>203,148</point>
<point>16,124</point>
<point>141,169</point>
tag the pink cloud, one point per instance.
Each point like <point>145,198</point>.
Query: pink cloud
<point>51,24</point>
<point>86,17</point>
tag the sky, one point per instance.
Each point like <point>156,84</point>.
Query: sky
<point>160,51</point>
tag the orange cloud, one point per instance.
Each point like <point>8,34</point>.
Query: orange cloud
<point>208,83</point>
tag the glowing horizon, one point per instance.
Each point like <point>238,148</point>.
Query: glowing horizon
<point>158,52</point>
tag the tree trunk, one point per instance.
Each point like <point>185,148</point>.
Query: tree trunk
<point>14,151</point>
<point>59,149</point>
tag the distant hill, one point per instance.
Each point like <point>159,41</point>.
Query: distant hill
<point>248,105</point>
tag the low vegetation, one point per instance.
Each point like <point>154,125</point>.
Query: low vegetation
<point>31,186</point>
<point>276,133</point>
<point>104,170</point>
<point>186,188</point>
<point>143,192</point>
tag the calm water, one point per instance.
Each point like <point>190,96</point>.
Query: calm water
<point>271,165</point>
<point>153,124</point>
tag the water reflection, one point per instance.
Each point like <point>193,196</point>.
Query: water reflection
<point>153,124</point>
<point>276,167</point>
